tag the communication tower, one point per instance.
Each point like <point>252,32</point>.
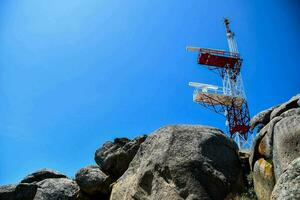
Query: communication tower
<point>228,100</point>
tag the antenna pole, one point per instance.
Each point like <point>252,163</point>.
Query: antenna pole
<point>230,37</point>
<point>230,100</point>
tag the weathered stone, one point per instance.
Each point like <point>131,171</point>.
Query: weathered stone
<point>292,103</point>
<point>291,112</point>
<point>92,180</point>
<point>263,178</point>
<point>7,192</point>
<point>262,117</point>
<point>114,157</point>
<point>263,143</point>
<point>22,191</point>
<point>286,143</point>
<point>288,184</point>
<point>56,188</point>
<point>41,175</point>
<point>182,162</point>
<point>27,189</point>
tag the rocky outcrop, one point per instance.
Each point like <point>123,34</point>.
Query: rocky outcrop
<point>114,157</point>
<point>56,188</point>
<point>42,175</point>
<point>182,162</point>
<point>288,184</point>
<point>93,181</point>
<point>276,144</point>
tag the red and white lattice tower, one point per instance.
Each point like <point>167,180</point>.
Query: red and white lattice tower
<point>229,99</point>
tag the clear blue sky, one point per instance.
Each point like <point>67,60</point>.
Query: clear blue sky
<point>77,73</point>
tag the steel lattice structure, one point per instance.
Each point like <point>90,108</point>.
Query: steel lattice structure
<point>230,99</point>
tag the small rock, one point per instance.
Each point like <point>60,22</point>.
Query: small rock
<point>114,157</point>
<point>41,175</point>
<point>288,184</point>
<point>92,180</point>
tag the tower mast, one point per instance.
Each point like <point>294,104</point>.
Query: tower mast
<point>229,100</point>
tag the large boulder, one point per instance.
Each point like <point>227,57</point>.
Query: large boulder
<point>56,188</point>
<point>182,162</point>
<point>114,157</point>
<point>288,184</point>
<point>286,143</point>
<point>42,175</point>
<point>263,178</point>
<point>92,180</point>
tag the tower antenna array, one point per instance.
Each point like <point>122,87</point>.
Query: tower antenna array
<point>228,100</point>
